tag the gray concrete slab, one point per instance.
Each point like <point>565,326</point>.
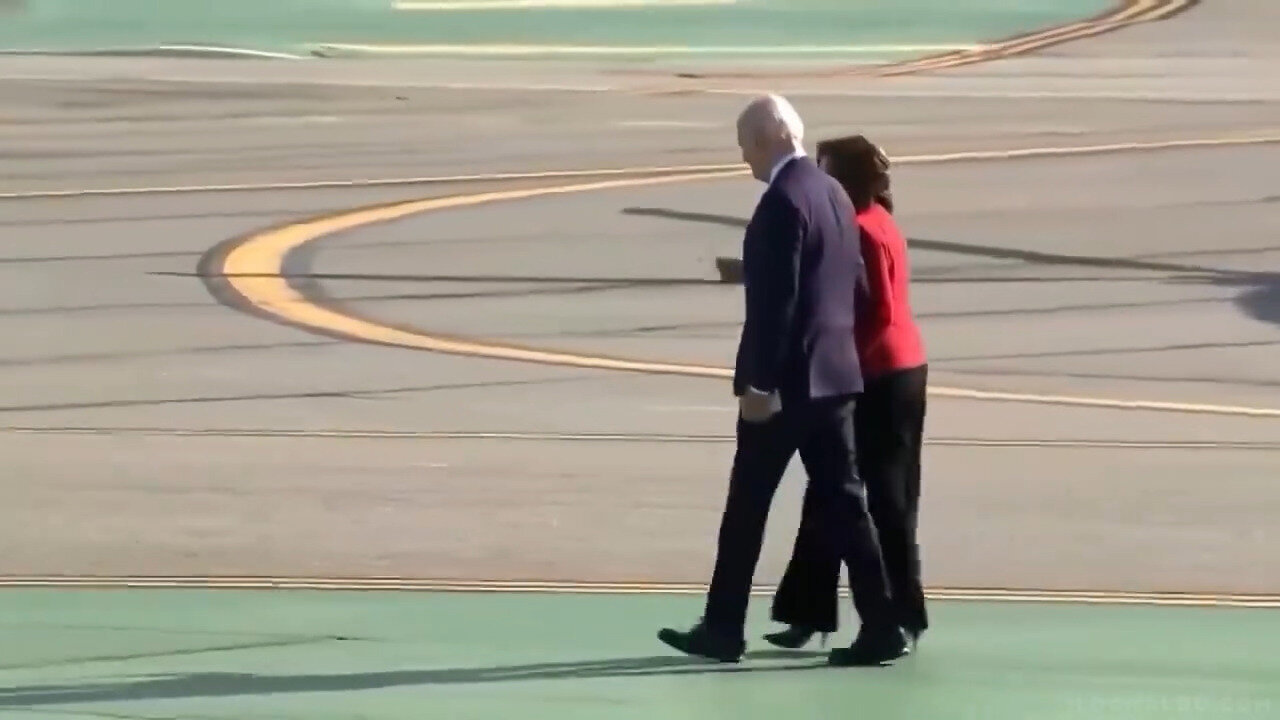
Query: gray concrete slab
<point>148,429</point>
<point>1096,519</point>
<point>62,135</point>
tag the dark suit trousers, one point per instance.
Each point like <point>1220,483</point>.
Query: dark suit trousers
<point>840,524</point>
<point>889,425</point>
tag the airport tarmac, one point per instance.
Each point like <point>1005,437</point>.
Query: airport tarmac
<point>153,427</point>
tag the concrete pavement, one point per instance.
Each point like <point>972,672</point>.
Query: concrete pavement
<point>150,430</point>
<point>1125,288</point>
<point>100,131</point>
<point>1111,311</point>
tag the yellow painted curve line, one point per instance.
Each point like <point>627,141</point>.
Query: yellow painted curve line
<point>254,268</point>
<point>1128,13</point>
<point>1092,597</point>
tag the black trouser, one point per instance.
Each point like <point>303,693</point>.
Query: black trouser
<point>890,431</point>
<point>839,519</point>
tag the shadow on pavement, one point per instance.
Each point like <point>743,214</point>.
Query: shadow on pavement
<point>205,685</point>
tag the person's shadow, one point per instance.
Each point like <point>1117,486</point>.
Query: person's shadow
<point>231,684</point>
<point>1260,289</point>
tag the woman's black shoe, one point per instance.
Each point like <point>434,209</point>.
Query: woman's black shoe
<point>794,637</point>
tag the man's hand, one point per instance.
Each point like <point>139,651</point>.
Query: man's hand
<point>756,407</point>
<point>730,269</point>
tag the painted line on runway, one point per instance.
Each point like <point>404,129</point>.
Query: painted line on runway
<point>252,269</point>
<point>1104,444</point>
<point>611,588</point>
<point>1127,13</point>
<point>607,437</point>
<point>1122,14</point>
<point>1109,403</point>
<point>1268,137</point>
<point>1173,96</point>
<point>1131,12</point>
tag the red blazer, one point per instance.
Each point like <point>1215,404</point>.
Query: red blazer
<point>887,336</point>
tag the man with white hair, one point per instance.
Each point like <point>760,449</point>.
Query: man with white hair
<point>797,379</point>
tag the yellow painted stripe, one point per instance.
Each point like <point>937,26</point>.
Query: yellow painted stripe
<point>253,269</point>
<point>611,588</point>
<point>1150,405</point>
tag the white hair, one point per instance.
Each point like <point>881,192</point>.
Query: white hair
<point>775,114</point>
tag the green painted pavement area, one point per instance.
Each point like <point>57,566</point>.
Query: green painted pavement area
<point>862,30</point>
<point>246,655</point>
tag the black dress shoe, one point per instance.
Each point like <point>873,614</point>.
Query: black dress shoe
<point>794,637</point>
<point>703,642</point>
<point>872,647</point>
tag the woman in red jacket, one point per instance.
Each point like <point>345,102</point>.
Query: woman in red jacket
<point>889,421</point>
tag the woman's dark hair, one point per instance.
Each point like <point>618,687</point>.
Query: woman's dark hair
<point>860,167</point>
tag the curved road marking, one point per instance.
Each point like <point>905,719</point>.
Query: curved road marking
<point>253,270</point>
<point>614,588</point>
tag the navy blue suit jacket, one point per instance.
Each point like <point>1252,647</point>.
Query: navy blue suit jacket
<point>802,273</point>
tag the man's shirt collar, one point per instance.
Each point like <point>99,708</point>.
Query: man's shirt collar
<point>777,168</point>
